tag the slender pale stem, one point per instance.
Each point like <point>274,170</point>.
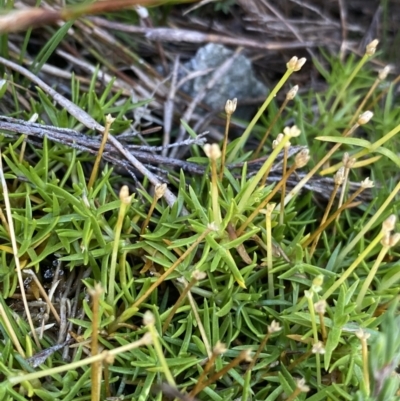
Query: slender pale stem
<point>125,202</point>
<point>353,266</point>
<point>15,252</point>
<point>171,269</point>
<point>145,340</point>
<point>224,146</point>
<point>275,119</point>
<point>240,144</point>
<point>265,201</point>
<point>367,282</point>
<point>96,165</point>
<point>271,287</point>
<point>324,217</point>
<point>308,176</point>
<point>96,366</point>
<point>284,166</point>
<point>257,178</point>
<point>348,82</point>
<point>368,225</point>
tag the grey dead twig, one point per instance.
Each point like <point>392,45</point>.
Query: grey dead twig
<point>34,132</point>
<point>89,122</point>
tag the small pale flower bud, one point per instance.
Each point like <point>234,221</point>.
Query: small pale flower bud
<point>143,13</point>
<point>320,307</point>
<point>339,176</point>
<point>198,275</point>
<point>385,241</point>
<point>291,131</point>
<point>148,318</point>
<point>295,63</point>
<point>109,359</point>
<point>350,162</point>
<point>277,141</point>
<point>383,73</point>
<point>389,223</point>
<point>160,190</point>
<point>300,64</point>
<point>367,183</point>
<point>394,239</point>
<point>292,93</point>
<point>147,339</point>
<point>301,385</point>
<point>318,281</point>
<point>302,158</point>
<point>219,348</point>
<point>212,226</point>
<point>274,327</point>
<point>247,355</point>
<point>371,47</point>
<point>270,208</point>
<point>362,335</point>
<point>318,348</point>
<point>308,294</point>
<point>291,65</point>
<point>124,195</point>
<point>365,117</point>
<point>109,119</point>
<point>230,106</point>
<point>212,151</point>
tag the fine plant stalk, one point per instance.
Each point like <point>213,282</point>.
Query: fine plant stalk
<point>262,345</point>
<point>214,193</point>
<point>256,179</point>
<point>366,151</point>
<point>244,355</point>
<point>15,251</point>
<point>268,131</point>
<point>196,276</point>
<point>271,287</point>
<point>10,331</point>
<point>265,201</point>
<point>224,146</point>
<point>43,294</point>
<point>217,350</point>
<point>199,324</point>
<point>172,268</point>
<point>103,356</point>
<point>94,348</point>
<point>358,67</point>
<point>149,322</point>
<point>368,225</point>
<point>353,266</point>
<point>284,167</point>
<point>322,227</point>
<point>230,108</point>
<point>242,141</point>
<point>363,337</point>
<point>324,217</point>
<point>159,189</point>
<point>95,170</point>
<point>125,202</point>
<point>309,296</point>
<point>372,273</point>
<point>364,101</point>
<point>307,177</point>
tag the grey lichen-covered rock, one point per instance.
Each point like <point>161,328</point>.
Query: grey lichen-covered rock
<point>239,81</point>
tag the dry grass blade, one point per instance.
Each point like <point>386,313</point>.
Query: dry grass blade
<point>32,17</point>
<point>15,251</point>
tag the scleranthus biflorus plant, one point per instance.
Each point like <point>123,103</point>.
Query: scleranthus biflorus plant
<point>234,278</point>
